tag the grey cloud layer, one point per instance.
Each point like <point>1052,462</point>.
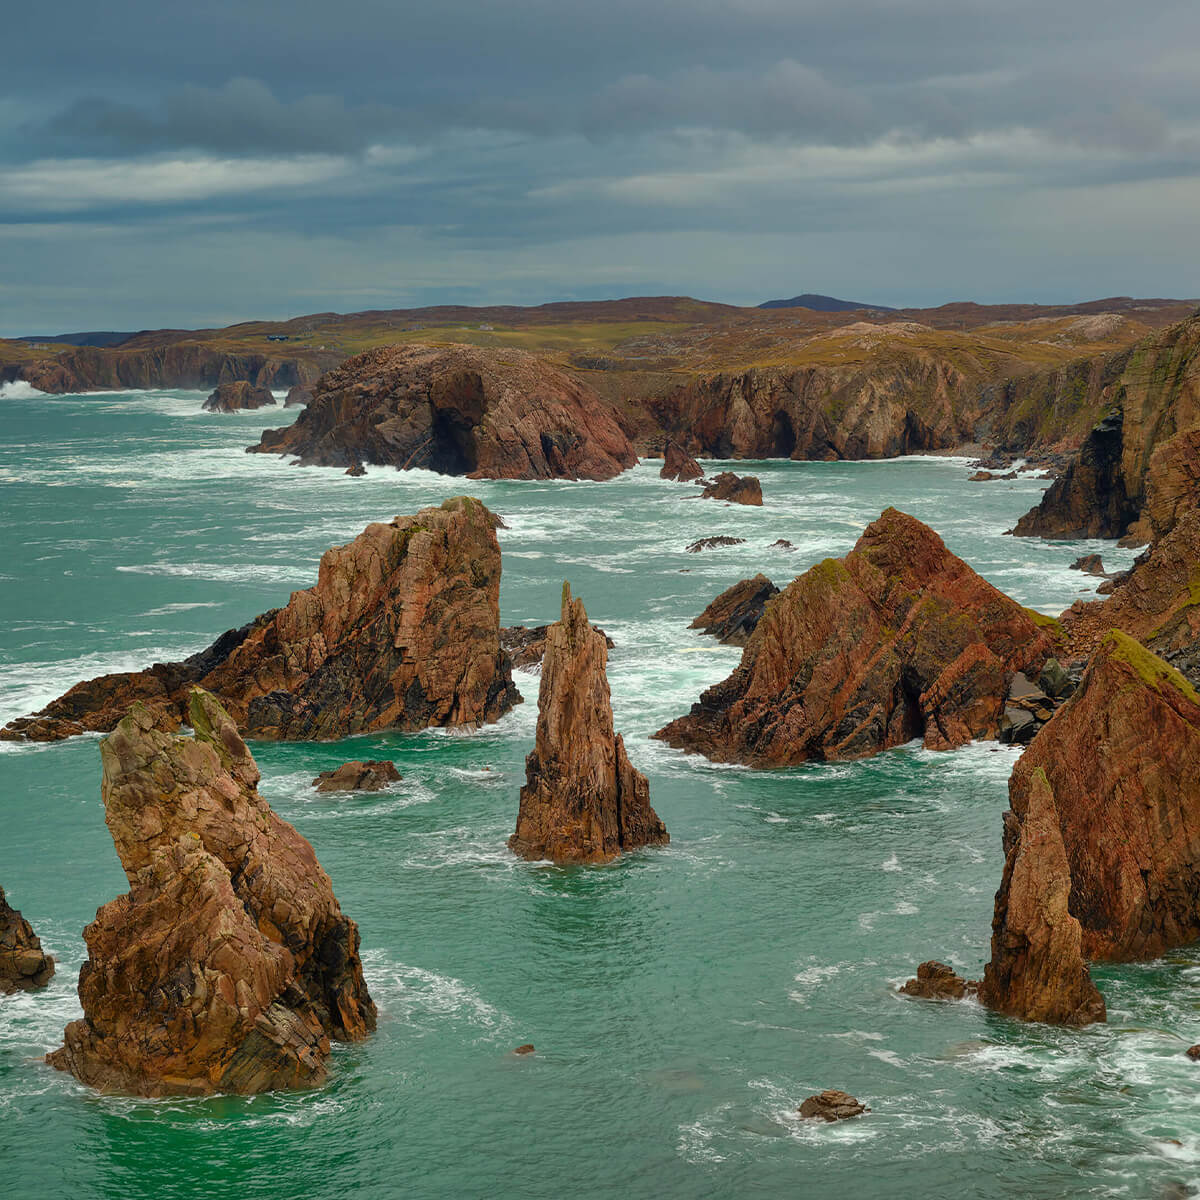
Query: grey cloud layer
<point>468,136</point>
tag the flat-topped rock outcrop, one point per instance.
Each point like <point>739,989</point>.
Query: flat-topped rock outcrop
<point>401,631</point>
<point>228,965</point>
<point>458,410</point>
<point>357,776</point>
<point>899,640</point>
<point>583,801</point>
<point>24,966</point>
<point>736,489</point>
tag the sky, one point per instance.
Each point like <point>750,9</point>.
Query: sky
<point>194,165</point>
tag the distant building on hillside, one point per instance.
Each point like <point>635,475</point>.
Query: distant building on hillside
<point>277,337</point>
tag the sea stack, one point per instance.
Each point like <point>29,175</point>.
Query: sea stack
<point>238,396</point>
<point>401,631</point>
<point>24,966</point>
<point>229,964</point>
<point>898,640</point>
<point>678,464</point>
<point>1102,843</point>
<point>583,802</point>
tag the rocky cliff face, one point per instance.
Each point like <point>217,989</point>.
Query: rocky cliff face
<point>234,397</point>
<point>898,640</point>
<point>1157,603</point>
<point>909,402</point>
<point>1121,760</point>
<point>583,801</point>
<point>733,616</point>
<point>401,631</point>
<point>178,365</point>
<point>459,410</point>
<point>24,966</point>
<point>1139,469</point>
<point>229,964</point>
<point>1037,972</point>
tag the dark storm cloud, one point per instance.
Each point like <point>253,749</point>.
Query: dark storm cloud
<point>529,136</point>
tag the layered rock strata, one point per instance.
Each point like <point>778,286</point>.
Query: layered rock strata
<point>234,397</point>
<point>459,410</point>
<point>401,631</point>
<point>733,616</point>
<point>899,640</point>
<point>24,966</point>
<point>229,964</point>
<point>583,801</point>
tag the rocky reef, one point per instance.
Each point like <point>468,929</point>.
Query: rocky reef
<point>526,645</point>
<point>24,966</point>
<point>733,616</point>
<point>239,395</point>
<point>370,776</point>
<point>831,1105</point>
<point>737,489</point>
<point>898,640</point>
<point>583,801</point>
<point>936,981</point>
<point>401,631</point>
<point>459,410</point>
<point>1138,470</point>
<point>229,964</point>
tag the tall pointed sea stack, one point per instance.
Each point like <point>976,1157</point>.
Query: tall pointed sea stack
<point>583,802</point>
<point>229,964</point>
<point>24,966</point>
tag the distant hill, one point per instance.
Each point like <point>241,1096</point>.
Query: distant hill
<point>824,304</point>
<point>106,338</point>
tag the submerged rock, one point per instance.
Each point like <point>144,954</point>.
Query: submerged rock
<point>737,489</point>
<point>679,465</point>
<point>24,966</point>
<point>229,964</point>
<point>732,617</point>
<point>583,801</point>
<point>936,981</point>
<point>832,1105</point>
<point>236,396</point>
<point>401,631</point>
<point>371,776</point>
<point>713,543</point>
<point>459,410</point>
<point>900,639</point>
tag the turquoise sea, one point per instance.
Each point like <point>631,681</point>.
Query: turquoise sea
<point>683,1001</point>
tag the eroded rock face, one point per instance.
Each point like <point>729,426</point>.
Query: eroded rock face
<point>1120,762</point>
<point>737,489</point>
<point>236,396</point>
<point>583,801</point>
<point>459,410</point>
<point>1037,971</point>
<point>298,396</point>
<point>679,465</point>
<point>401,631</point>
<point>714,543</point>
<point>898,640</point>
<point>371,776</point>
<point>733,616</point>
<point>24,966</point>
<point>1157,603</point>
<point>1139,469</point>
<point>229,964</point>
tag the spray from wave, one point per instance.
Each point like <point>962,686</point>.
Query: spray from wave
<point>18,389</point>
